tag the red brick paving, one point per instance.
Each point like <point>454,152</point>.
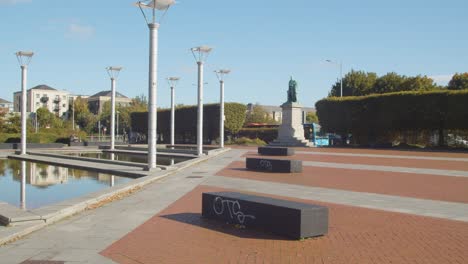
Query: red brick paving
<point>443,188</point>
<point>395,162</point>
<point>356,235</point>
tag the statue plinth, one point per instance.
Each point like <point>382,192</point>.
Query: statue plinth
<point>291,130</point>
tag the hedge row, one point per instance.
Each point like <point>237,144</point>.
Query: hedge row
<point>186,122</point>
<point>368,118</point>
<point>265,134</point>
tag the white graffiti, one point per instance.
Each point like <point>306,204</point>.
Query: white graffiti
<point>233,207</point>
<point>266,164</point>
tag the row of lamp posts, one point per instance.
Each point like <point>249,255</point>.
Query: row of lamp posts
<point>200,54</point>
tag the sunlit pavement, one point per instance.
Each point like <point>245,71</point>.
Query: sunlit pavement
<point>385,207</point>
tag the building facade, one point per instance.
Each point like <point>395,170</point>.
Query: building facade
<point>275,112</point>
<point>6,106</point>
<point>96,102</point>
<point>56,101</point>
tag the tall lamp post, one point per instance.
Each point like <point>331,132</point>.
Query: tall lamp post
<point>200,54</point>
<point>172,83</point>
<point>154,6</point>
<point>221,76</point>
<point>341,74</point>
<point>113,74</point>
<point>24,58</point>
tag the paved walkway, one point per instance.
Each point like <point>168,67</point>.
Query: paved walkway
<point>161,223</point>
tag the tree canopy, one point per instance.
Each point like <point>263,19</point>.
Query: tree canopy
<point>360,83</point>
<point>459,81</point>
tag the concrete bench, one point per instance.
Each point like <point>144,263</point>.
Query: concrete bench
<point>274,165</point>
<point>275,151</point>
<point>292,219</point>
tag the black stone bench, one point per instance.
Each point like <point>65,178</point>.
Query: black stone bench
<point>274,165</point>
<point>287,218</point>
<point>275,151</point>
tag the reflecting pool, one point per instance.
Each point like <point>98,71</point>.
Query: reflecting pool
<point>138,158</point>
<point>31,185</point>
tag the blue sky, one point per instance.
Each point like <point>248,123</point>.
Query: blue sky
<point>263,42</point>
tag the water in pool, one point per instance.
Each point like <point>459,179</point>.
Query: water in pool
<point>138,158</point>
<point>31,185</point>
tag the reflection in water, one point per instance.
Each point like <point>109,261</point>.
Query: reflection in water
<point>47,184</point>
<point>138,158</point>
<point>23,185</point>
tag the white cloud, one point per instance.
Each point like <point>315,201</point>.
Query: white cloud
<point>442,79</point>
<point>81,32</point>
<point>13,2</point>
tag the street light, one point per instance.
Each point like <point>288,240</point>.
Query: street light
<point>200,54</point>
<point>154,6</point>
<point>341,74</point>
<point>113,74</point>
<point>221,74</point>
<point>172,83</point>
<point>24,58</point>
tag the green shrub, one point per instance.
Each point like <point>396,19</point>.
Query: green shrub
<point>248,142</point>
<point>374,118</point>
<point>265,134</point>
<point>186,122</point>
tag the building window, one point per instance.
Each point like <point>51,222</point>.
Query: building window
<point>38,96</point>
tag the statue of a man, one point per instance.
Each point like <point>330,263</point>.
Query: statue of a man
<point>292,94</point>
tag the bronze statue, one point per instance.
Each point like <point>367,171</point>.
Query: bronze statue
<point>292,95</point>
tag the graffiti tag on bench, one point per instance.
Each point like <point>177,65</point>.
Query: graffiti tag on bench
<point>266,165</point>
<point>232,207</point>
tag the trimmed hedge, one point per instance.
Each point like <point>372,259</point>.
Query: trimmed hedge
<point>186,122</point>
<point>265,134</point>
<point>369,118</point>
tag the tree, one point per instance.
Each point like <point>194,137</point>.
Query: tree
<point>83,117</point>
<point>418,83</point>
<point>459,81</point>
<point>2,119</point>
<point>355,83</point>
<point>258,115</point>
<point>391,82</point>
<point>311,117</point>
<point>13,124</point>
<point>235,117</point>
<point>45,118</point>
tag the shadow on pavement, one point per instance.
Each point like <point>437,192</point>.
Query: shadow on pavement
<point>196,219</point>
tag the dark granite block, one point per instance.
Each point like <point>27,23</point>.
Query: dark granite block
<point>292,219</point>
<point>275,151</point>
<point>274,165</point>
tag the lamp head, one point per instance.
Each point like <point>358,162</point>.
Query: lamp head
<point>173,81</point>
<point>154,5</point>
<point>24,57</point>
<point>221,74</point>
<point>113,71</point>
<point>201,53</point>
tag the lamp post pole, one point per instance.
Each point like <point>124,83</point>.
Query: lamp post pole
<point>73,113</point>
<point>113,74</point>
<point>200,54</point>
<point>221,74</point>
<point>340,63</point>
<point>341,79</point>
<point>24,58</point>
<point>172,82</point>
<point>153,26</point>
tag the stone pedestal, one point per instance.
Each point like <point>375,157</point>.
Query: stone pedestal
<point>291,131</point>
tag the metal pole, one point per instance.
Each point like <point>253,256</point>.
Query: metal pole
<point>73,113</point>
<point>117,130</point>
<point>35,123</point>
<point>23,185</point>
<point>221,115</point>
<point>99,130</point>
<point>24,74</point>
<point>200,109</point>
<point>112,121</point>
<point>341,78</point>
<point>152,87</point>
<point>172,116</point>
